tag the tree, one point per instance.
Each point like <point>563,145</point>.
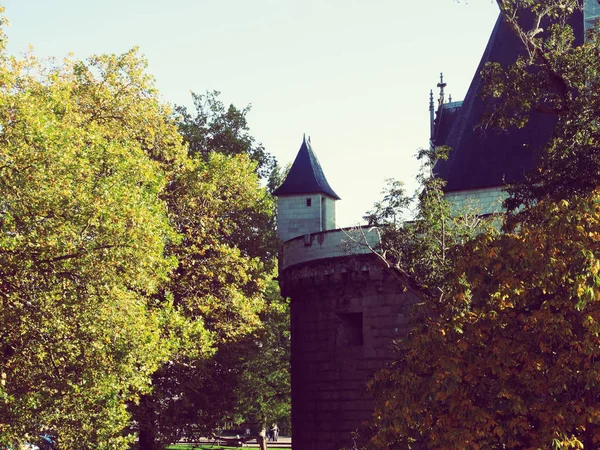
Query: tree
<point>224,218</point>
<point>509,359</point>
<point>214,128</point>
<point>226,255</point>
<point>506,358</point>
<point>129,266</point>
<point>418,246</point>
<point>82,246</point>
<point>263,390</point>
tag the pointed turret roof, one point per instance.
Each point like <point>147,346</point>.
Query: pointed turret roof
<point>481,157</point>
<point>306,175</point>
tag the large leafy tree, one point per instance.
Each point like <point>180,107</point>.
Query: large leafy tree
<point>219,283</point>
<point>126,262</point>
<point>241,364</point>
<point>263,389</point>
<point>83,157</point>
<point>509,358</point>
<point>213,127</point>
<point>506,358</point>
<point>226,254</point>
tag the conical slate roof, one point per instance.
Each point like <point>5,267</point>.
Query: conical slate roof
<point>306,175</point>
<point>482,158</point>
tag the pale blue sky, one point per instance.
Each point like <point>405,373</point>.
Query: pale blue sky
<point>354,75</point>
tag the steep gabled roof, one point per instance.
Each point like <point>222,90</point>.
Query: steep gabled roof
<point>306,175</point>
<point>480,157</point>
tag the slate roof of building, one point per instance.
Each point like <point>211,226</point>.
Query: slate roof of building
<point>481,157</point>
<point>445,117</point>
<point>306,175</point>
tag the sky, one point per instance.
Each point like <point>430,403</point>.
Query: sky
<point>354,75</point>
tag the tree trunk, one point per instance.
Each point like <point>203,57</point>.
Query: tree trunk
<point>262,439</point>
<point>147,439</point>
<point>147,430</point>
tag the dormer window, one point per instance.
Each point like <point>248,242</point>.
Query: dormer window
<point>308,202</point>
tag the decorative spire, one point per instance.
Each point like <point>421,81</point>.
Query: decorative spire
<point>431,115</point>
<point>441,85</point>
<point>450,98</point>
<point>431,100</point>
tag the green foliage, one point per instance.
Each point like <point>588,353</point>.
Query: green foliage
<point>506,357</point>
<point>82,246</point>
<point>214,128</point>
<point>226,222</point>
<point>509,359</point>
<point>419,250</point>
<point>219,209</point>
<point>277,176</point>
<point>134,274</point>
<point>263,389</point>
<point>246,382</point>
<point>227,249</point>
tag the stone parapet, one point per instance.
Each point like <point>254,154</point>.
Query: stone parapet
<point>328,244</point>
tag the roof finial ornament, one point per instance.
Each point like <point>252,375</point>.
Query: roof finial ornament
<point>431,100</point>
<point>441,85</point>
<point>303,137</point>
<point>431,115</point>
<point>450,98</point>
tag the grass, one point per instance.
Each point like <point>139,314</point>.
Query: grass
<point>211,447</point>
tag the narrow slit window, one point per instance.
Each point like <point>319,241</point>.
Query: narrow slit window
<point>308,201</point>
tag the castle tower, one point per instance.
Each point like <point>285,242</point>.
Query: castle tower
<point>346,309</point>
<point>305,201</point>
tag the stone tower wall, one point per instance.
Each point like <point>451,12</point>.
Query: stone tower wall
<point>328,212</point>
<point>346,310</point>
<point>298,215</point>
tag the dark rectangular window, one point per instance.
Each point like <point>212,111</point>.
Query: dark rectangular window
<point>308,201</point>
<point>350,329</point>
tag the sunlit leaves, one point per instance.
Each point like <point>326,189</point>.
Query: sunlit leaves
<point>82,245</point>
<point>226,250</point>
<point>124,257</point>
<point>522,372</point>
